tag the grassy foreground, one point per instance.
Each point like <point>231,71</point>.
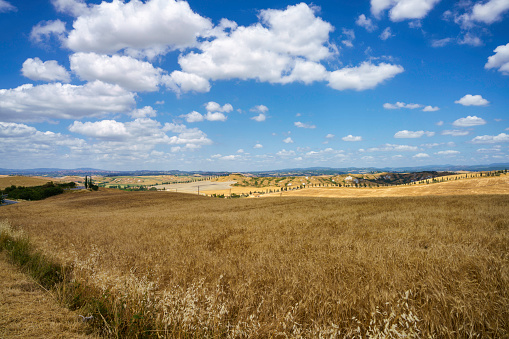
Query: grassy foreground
<point>163,264</point>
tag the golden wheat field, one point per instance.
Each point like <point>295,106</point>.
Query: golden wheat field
<point>177,265</point>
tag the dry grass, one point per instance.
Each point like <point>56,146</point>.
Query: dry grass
<point>7,181</point>
<point>295,267</point>
<point>27,311</point>
<point>469,186</point>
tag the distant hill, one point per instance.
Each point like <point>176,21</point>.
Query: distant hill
<point>311,171</point>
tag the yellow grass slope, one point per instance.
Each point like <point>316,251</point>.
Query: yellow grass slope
<point>311,267</point>
<point>470,186</point>
<point>26,311</point>
<point>7,181</point>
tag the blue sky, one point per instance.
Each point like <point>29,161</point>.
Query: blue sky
<point>253,85</point>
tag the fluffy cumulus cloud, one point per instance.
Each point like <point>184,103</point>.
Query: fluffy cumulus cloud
<point>262,110</point>
<point>403,9</point>
<point>285,47</point>
<point>472,100</point>
<point>365,22</point>
<point>500,59</point>
<point>193,117</point>
<point>365,76</point>
<point>351,138</point>
<point>213,106</point>
<point>105,129</point>
<point>258,146</point>
<point>151,28</point>
<point>430,109</point>
<point>399,105</point>
<point>288,140</point>
<point>182,82</point>
<point>486,12</point>
<point>63,101</point>
<point>50,70</point>
<point>421,155</point>
<point>303,125</point>
<point>412,134</point>
<point>491,139</point>
<point>46,29</point>
<point>144,112</point>
<point>16,139</point>
<point>6,7</point>
<point>129,73</point>
<point>469,121</point>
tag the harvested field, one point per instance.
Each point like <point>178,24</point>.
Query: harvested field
<point>7,180</point>
<point>484,185</point>
<point>201,267</point>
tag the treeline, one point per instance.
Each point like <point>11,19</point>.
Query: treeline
<point>36,192</point>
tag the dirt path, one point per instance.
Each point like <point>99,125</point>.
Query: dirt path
<point>27,311</point>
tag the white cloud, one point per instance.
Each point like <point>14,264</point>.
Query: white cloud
<point>349,35</point>
<point>26,145</point>
<point>421,155</point>
<point>144,112</point>
<point>182,82</point>
<point>288,141</point>
<point>105,129</point>
<point>469,121</point>
<point>151,28</point>
<point>129,73</point>
<point>285,153</point>
<point>259,118</point>
<point>50,70</point>
<point>392,147</point>
<point>73,7</point>
<point>258,146</point>
<point>216,116</point>
<point>63,101</point>
<point>440,123</point>
<point>212,106</point>
<point>260,108</point>
<point>367,23</point>
<point>45,29</point>
<point>448,152</point>
<point>491,139</point>
<point>6,7</point>
<point>500,59</point>
<point>329,136</point>
<point>351,138</point>
<point>386,34</point>
<point>441,42</point>
<point>362,77</point>
<point>472,100</point>
<point>193,117</point>
<point>285,47</point>
<point>411,134</point>
<point>303,125</point>
<point>430,109</point>
<point>399,105</point>
<point>456,132</point>
<point>470,39</point>
<point>403,9</point>
<point>487,12</point>
<point>240,151</point>
<point>10,129</point>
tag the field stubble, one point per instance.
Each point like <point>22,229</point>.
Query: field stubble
<point>202,267</point>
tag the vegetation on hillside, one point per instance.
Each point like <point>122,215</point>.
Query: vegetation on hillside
<point>289,267</point>
<point>37,192</point>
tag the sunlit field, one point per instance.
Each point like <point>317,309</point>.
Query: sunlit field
<point>176,265</point>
